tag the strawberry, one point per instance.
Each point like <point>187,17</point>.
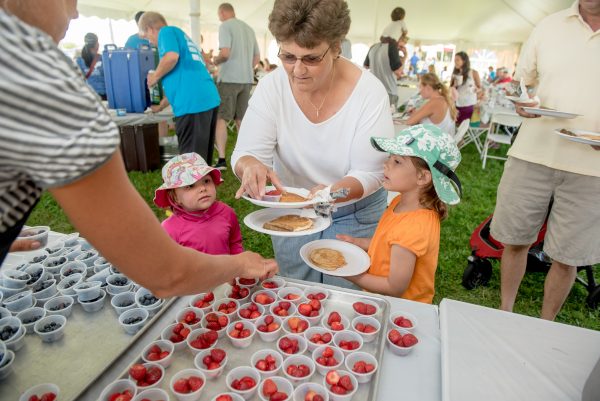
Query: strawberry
<point>246,281</point>
<point>292,297</point>
<point>401,321</point>
<point>195,383</point>
<point>217,355</point>
<point>48,397</point>
<point>223,321</point>
<point>269,387</point>
<point>395,336</point>
<point>336,326</point>
<point>318,296</point>
<point>338,390</point>
<point>181,386</point>
<point>263,299</point>
<point>310,395</point>
<point>305,309</point>
<point>318,397</point>
<point>153,375</point>
<point>327,352</point>
<point>346,383</point>
<point>270,284</point>
<point>278,396</point>
<point>332,378</point>
<point>124,396</point>
<point>326,338</point>
<point>359,307</point>
<point>137,371</point>
<point>334,317</point>
<point>408,340</point>
<point>370,309</point>
<point>224,397</point>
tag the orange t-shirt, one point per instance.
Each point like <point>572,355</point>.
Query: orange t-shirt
<point>419,232</point>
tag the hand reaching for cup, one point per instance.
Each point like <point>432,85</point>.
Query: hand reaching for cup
<point>255,266</point>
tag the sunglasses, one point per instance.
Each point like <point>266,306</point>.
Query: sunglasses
<point>309,59</point>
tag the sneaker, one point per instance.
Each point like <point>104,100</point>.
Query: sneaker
<point>220,165</point>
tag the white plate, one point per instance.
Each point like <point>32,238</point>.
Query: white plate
<point>255,221</point>
<point>357,260</point>
<point>549,112</point>
<point>517,99</point>
<point>283,205</point>
<point>579,139</point>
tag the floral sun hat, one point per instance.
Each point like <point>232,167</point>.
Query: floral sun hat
<point>181,171</point>
<point>439,151</point>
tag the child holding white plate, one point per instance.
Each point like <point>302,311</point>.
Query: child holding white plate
<point>404,249</point>
<point>198,221</point>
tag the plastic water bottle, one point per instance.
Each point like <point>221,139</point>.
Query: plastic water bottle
<point>155,91</point>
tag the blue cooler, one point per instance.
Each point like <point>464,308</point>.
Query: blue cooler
<point>125,72</point>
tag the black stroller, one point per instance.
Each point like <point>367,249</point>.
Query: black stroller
<point>484,247</point>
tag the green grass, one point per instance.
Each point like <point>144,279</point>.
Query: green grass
<point>478,202</point>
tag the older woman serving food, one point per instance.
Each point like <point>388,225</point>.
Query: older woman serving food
<point>308,125</point>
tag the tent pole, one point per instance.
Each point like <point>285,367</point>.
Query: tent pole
<point>195,20</point>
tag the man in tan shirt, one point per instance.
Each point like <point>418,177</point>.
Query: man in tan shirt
<point>562,59</point>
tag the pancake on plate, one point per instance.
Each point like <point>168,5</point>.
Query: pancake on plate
<point>289,222</point>
<point>292,197</point>
<point>586,136</point>
<point>328,259</point>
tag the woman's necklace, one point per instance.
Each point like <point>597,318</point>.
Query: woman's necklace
<point>318,109</point>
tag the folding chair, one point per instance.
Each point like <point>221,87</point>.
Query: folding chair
<point>494,135</point>
<point>461,131</point>
<point>472,136</point>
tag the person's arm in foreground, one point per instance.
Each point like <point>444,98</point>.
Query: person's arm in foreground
<point>402,266</point>
<point>107,210</point>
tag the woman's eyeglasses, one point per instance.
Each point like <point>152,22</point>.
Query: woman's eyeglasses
<point>310,59</point>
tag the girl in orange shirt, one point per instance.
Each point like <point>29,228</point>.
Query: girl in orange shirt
<point>404,249</point>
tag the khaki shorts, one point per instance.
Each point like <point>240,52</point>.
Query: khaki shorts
<point>573,230</point>
<point>234,100</point>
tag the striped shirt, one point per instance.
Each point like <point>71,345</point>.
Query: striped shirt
<point>53,128</point>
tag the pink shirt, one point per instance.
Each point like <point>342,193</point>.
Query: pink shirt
<point>215,231</point>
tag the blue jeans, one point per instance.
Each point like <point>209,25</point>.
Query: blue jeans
<point>358,220</point>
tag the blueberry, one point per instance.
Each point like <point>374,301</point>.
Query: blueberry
<point>132,320</point>
<point>7,332</point>
<point>148,299</point>
<point>70,284</point>
<point>50,327</point>
<point>91,300</point>
<point>42,286</point>
<point>125,304</point>
<point>39,259</point>
<point>119,281</point>
<point>35,277</point>
<point>59,306</point>
<point>32,319</point>
<point>87,255</point>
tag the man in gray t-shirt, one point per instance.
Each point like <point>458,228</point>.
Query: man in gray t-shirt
<point>238,54</point>
<point>383,60</point>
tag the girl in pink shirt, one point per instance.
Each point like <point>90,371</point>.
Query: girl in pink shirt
<point>198,221</point>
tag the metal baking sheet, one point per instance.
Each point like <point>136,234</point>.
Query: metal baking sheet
<point>340,299</point>
<point>91,343</point>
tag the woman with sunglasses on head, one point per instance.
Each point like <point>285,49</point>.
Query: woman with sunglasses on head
<point>308,125</point>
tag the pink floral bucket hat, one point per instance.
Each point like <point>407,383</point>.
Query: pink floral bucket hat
<point>181,171</point>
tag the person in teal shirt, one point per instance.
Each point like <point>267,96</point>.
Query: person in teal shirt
<point>135,41</point>
<point>187,84</point>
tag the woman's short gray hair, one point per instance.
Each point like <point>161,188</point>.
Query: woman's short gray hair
<point>310,22</point>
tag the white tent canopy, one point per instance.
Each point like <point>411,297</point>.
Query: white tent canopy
<point>458,21</point>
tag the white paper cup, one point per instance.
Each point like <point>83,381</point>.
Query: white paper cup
<point>367,320</point>
<point>185,374</point>
<point>283,386</point>
<point>40,390</point>
<point>239,372</point>
<point>157,384</point>
<point>338,397</point>
<point>304,388</point>
<point>316,330</point>
<point>209,373</point>
<point>241,342</point>
<point>302,344</point>
<point>407,315</point>
<point>268,336</point>
<point>261,355</point>
<point>293,291</point>
<point>164,345</point>
<point>134,313</point>
<point>365,357</point>
<point>337,354</point>
<point>298,360</point>
<point>347,335</point>
<point>53,335</point>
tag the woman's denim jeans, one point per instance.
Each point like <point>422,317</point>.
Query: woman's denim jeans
<point>358,220</point>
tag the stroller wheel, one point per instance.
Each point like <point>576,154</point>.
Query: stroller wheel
<point>478,272</point>
<point>593,300</point>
